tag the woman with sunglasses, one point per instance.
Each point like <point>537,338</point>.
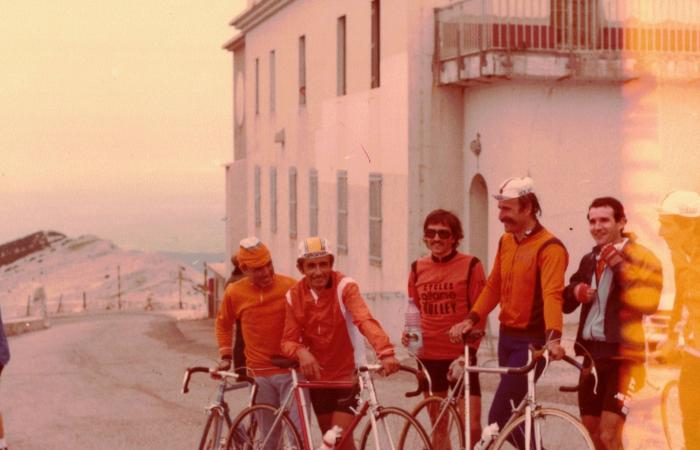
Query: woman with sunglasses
<point>444,285</point>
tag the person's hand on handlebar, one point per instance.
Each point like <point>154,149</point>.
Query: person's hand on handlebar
<point>556,351</point>
<point>390,364</point>
<point>308,364</point>
<point>223,365</point>
<point>459,329</point>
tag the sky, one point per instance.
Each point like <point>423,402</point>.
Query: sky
<point>116,120</point>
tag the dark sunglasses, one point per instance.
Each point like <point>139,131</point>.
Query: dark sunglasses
<point>442,234</point>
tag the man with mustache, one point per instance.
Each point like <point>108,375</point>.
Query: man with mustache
<point>527,280</point>
<point>616,284</point>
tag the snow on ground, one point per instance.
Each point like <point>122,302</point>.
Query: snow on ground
<point>89,271</point>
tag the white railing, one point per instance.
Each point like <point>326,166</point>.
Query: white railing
<point>655,26</point>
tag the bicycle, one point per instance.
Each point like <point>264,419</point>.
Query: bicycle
<point>267,427</point>
<point>218,421</point>
<point>550,427</point>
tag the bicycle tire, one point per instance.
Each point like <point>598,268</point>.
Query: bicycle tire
<point>396,430</point>
<point>247,432</point>
<point>213,431</point>
<point>558,429</point>
<point>444,421</point>
<point>671,416</point>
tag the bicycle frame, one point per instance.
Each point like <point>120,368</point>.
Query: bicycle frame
<point>370,403</point>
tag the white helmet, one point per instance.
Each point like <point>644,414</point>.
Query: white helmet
<point>314,247</point>
<point>681,203</point>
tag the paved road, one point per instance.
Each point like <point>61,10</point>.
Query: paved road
<point>112,381</point>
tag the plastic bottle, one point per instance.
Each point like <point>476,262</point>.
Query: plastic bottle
<point>412,326</point>
<point>488,434</point>
<point>330,438</point>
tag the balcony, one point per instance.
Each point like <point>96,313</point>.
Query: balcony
<point>481,41</point>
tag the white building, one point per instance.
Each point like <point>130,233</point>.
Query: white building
<point>354,119</point>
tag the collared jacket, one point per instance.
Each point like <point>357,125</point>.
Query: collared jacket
<point>319,323</point>
<point>635,291</point>
<point>261,313</point>
<point>4,348</point>
<point>527,281</point>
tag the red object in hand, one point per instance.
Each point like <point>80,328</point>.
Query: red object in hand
<point>581,292</point>
<point>611,256</point>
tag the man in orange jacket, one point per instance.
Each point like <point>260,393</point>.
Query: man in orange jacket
<point>257,301</point>
<point>324,313</point>
<point>527,280</point>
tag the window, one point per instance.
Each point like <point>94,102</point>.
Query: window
<point>293,202</point>
<point>340,56</point>
<point>375,219</point>
<point>273,199</point>
<point>313,202</point>
<point>257,86</point>
<point>342,241</point>
<point>302,70</point>
<point>375,43</point>
<point>256,188</point>
<point>272,81</point>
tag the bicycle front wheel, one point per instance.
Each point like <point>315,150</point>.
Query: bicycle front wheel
<point>441,422</point>
<point>671,416</point>
<point>396,430</point>
<point>213,432</point>
<point>260,427</point>
<point>551,429</point>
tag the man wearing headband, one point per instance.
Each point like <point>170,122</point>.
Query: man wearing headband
<point>616,284</point>
<point>527,280</point>
<point>258,302</point>
<point>325,324</point>
<point>679,219</point>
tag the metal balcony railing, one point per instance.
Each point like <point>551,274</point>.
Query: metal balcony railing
<point>564,26</point>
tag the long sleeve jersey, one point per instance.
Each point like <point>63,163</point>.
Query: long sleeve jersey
<point>318,323</point>
<point>261,314</point>
<point>527,280</point>
<point>444,291</point>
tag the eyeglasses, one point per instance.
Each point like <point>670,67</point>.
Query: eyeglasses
<point>442,234</point>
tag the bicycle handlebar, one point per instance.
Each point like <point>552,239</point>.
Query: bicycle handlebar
<point>221,373</point>
<point>423,385</point>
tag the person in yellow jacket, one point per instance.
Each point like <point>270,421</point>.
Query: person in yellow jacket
<point>257,301</point>
<point>326,319</point>
<point>527,281</point>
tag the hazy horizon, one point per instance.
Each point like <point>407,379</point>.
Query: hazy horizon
<point>117,121</point>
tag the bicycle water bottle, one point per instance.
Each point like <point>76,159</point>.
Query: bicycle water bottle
<point>412,326</point>
<point>488,435</point>
<point>330,438</point>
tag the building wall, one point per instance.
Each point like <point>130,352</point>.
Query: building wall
<point>579,141</point>
<point>362,132</point>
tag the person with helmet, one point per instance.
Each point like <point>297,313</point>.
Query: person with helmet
<point>679,226</point>
<point>325,321</point>
<point>616,284</point>
<point>257,300</point>
<point>445,285</point>
<point>527,281</point>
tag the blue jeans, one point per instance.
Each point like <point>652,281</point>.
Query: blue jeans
<point>512,352</point>
<point>273,390</point>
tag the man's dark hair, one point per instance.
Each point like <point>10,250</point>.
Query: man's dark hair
<point>615,204</point>
<point>441,216</point>
<point>530,199</point>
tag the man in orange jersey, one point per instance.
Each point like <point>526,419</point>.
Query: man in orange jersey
<point>258,302</point>
<point>445,285</point>
<point>527,280</point>
<point>326,319</point>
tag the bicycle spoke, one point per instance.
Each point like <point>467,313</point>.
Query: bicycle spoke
<point>551,429</point>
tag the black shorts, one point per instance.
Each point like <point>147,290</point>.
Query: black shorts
<point>617,381</point>
<point>437,368</point>
<point>327,401</point>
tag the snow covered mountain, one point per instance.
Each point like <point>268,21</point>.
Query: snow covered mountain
<point>86,272</point>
